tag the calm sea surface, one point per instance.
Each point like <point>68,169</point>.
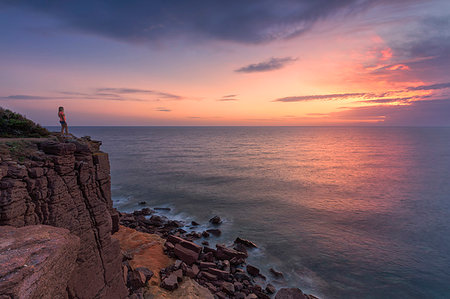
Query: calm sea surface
<point>343,212</point>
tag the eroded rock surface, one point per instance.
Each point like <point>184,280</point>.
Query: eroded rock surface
<point>36,261</point>
<point>67,184</point>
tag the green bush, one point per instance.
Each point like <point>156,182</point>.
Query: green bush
<point>15,125</point>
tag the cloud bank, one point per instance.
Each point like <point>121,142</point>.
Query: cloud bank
<point>250,21</point>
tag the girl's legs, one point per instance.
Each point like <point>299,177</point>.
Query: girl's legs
<point>62,129</point>
<point>67,129</point>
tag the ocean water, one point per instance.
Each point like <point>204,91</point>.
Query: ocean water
<point>343,212</point>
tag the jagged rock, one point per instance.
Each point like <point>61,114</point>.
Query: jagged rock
<point>194,223</point>
<point>245,242</point>
<point>36,261</point>
<point>136,279</point>
<point>290,293</point>
<point>72,191</point>
<point>170,283</point>
<point>146,272</point>
<point>215,220</point>
<point>142,202</point>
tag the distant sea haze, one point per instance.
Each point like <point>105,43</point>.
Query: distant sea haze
<point>343,212</point>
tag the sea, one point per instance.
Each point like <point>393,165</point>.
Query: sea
<point>343,212</point>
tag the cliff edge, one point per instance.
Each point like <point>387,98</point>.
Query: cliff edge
<point>66,184</point>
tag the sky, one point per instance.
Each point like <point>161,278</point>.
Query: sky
<point>214,62</point>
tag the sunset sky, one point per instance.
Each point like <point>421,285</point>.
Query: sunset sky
<point>211,62</point>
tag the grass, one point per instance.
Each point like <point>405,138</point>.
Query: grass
<point>14,125</point>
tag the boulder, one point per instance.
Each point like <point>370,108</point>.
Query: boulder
<point>228,288</point>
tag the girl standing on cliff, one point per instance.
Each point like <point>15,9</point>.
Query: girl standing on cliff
<point>62,121</point>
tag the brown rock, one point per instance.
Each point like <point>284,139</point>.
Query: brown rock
<point>252,270</point>
<point>170,283</point>
<point>245,242</point>
<point>186,255</point>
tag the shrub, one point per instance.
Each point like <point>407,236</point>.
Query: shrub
<point>15,125</point>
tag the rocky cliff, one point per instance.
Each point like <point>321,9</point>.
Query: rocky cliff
<point>63,184</point>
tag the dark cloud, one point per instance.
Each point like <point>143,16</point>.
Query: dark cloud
<point>107,94</point>
<point>230,96</point>
<point>227,99</point>
<point>163,109</point>
<point>386,100</point>
<point>25,97</point>
<point>268,65</point>
<point>140,91</point>
<point>250,21</point>
<point>321,97</point>
<point>431,87</point>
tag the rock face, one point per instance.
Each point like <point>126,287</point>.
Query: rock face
<point>67,184</point>
<point>36,261</point>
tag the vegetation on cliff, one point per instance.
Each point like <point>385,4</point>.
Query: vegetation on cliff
<point>15,125</point>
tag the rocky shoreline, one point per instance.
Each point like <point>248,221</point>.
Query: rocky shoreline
<point>223,270</point>
<point>56,199</point>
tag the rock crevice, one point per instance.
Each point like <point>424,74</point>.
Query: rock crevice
<point>67,184</point>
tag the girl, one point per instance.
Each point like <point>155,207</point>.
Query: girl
<point>62,120</point>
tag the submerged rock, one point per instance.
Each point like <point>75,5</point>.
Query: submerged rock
<point>215,220</point>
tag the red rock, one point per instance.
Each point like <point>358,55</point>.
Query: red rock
<point>37,261</point>
<point>186,255</point>
<point>72,192</point>
<point>170,283</point>
<point>136,279</point>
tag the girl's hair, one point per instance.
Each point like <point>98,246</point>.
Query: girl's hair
<point>60,108</point>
